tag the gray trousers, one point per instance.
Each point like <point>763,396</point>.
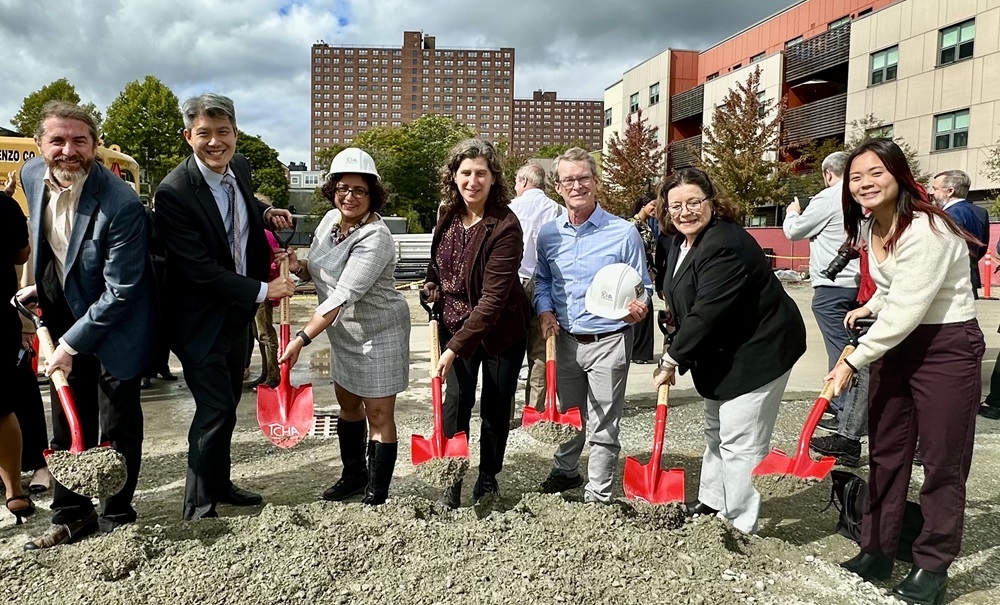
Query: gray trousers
<point>737,437</point>
<point>854,416</point>
<point>592,377</point>
<point>829,306</point>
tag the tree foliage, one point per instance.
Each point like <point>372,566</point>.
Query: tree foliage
<point>632,165</point>
<point>742,147</point>
<point>554,150</point>
<point>324,157</point>
<point>26,119</point>
<point>145,121</point>
<point>267,173</point>
<point>991,170</point>
<point>511,159</point>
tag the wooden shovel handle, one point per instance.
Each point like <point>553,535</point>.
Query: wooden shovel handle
<point>827,392</point>
<point>550,347</point>
<point>48,348</point>
<point>285,307</point>
<point>435,346</point>
<point>663,395</point>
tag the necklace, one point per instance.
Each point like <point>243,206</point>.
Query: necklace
<point>339,236</point>
<point>887,235</point>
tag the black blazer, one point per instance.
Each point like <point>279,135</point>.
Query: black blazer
<point>737,329</point>
<point>204,298</point>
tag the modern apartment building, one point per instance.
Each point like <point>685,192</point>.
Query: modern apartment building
<point>545,119</point>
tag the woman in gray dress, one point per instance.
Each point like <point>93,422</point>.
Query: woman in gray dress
<point>351,260</point>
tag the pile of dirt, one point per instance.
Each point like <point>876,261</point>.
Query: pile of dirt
<point>98,472</point>
<point>553,433</point>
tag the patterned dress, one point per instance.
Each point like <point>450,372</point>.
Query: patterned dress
<point>370,339</point>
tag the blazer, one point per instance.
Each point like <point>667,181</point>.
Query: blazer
<point>737,329</point>
<point>108,281</point>
<point>500,308</point>
<point>204,298</point>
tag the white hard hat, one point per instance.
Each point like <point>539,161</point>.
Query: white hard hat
<point>613,289</point>
<point>353,160</point>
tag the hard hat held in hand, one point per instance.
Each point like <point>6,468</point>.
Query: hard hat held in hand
<point>353,161</point>
<point>613,289</point>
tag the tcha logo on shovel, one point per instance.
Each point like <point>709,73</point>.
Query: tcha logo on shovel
<point>281,431</point>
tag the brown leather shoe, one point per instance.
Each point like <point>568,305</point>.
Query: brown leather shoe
<point>64,534</point>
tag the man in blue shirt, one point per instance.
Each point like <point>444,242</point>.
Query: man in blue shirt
<point>592,353</point>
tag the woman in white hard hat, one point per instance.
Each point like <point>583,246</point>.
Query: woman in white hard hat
<point>351,261</point>
<point>738,333</point>
<point>475,256</point>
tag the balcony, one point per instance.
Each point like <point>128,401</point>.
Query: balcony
<point>823,118</point>
<point>683,153</point>
<point>820,52</point>
<point>688,103</point>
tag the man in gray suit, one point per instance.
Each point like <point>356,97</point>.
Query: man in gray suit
<point>94,286</point>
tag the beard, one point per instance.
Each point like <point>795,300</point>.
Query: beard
<point>69,176</point>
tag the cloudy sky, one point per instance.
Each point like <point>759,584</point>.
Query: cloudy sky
<point>257,51</point>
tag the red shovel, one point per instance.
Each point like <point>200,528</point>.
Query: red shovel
<point>802,465</point>
<point>438,446</point>
<point>649,482</point>
<point>285,413</point>
<point>551,413</point>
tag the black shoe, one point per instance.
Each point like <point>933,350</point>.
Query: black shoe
<point>346,486</point>
<point>871,568</point>
<point>989,411</point>
<point>167,375</point>
<point>64,534</point>
<point>846,451</point>
<point>555,484</point>
<point>24,511</point>
<point>381,463</point>
<point>452,497</point>
<point>698,507</point>
<point>922,587</point>
<point>273,384</point>
<point>485,484</point>
<point>831,424</point>
<point>145,383</point>
<point>240,497</point>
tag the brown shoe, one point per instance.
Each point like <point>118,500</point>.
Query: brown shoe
<point>64,534</point>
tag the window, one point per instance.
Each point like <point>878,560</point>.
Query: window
<point>762,104</point>
<point>793,42</point>
<point>884,65</point>
<point>737,66</point>
<point>654,94</point>
<point>885,131</point>
<point>951,130</point>
<point>957,42</point>
<point>758,57</point>
<point>839,22</point>
<point>711,76</point>
<point>633,103</point>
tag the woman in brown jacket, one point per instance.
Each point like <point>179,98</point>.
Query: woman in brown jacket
<point>475,256</point>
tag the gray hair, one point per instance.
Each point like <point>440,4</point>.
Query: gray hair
<point>957,180</point>
<point>575,154</point>
<point>65,111</point>
<point>836,163</point>
<point>210,105</point>
<point>532,174</point>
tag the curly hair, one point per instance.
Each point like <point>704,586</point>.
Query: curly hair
<point>723,209</point>
<point>376,193</point>
<point>451,197</point>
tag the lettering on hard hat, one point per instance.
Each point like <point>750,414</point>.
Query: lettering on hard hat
<point>351,160</point>
<point>605,295</point>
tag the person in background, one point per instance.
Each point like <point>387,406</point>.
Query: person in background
<point>263,322</point>
<point>643,209</point>
<point>160,364</point>
<point>949,190</point>
<point>351,261</point>
<point>475,257</point>
<point>925,352</point>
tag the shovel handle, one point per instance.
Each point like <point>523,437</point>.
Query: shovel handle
<point>662,398</point>
<point>435,351</point>
<point>285,306</point>
<point>818,409</point>
<point>550,348</point>
<point>63,391</point>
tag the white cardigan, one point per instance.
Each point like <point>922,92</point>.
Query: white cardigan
<point>923,280</point>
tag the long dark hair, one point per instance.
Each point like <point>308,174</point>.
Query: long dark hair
<point>912,196</point>
<point>724,209</point>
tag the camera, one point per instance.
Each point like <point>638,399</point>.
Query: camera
<point>845,254</point>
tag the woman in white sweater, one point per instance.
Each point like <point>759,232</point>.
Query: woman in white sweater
<point>925,350</point>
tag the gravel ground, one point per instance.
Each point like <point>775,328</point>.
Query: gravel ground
<point>522,547</point>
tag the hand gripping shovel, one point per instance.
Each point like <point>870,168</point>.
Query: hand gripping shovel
<point>649,482</point>
<point>285,413</point>
<point>551,426</point>
<point>440,460</point>
<point>99,472</point>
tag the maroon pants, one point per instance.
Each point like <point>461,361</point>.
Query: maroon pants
<point>927,387</point>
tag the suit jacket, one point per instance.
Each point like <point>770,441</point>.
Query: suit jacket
<point>976,222</point>
<point>107,280</point>
<point>204,298</point>
<point>737,329</point>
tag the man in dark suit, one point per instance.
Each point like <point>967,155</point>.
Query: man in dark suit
<point>94,286</point>
<point>217,270</point>
<point>949,190</point>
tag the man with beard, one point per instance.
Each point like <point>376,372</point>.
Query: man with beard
<point>94,286</point>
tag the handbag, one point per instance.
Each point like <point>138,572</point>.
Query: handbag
<point>849,495</point>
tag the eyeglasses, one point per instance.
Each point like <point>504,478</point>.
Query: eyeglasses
<point>359,193</point>
<point>692,205</point>
<point>583,181</point>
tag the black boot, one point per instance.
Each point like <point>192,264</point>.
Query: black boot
<point>452,497</point>
<point>870,567</point>
<point>352,436</point>
<point>381,463</point>
<point>922,587</point>
<point>485,484</point>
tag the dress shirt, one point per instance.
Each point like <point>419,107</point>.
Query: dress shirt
<point>533,209</point>
<point>58,219</point>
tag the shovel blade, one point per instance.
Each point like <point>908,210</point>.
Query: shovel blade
<point>285,413</point>
<point>779,463</point>
<point>570,417</point>
<point>651,484</point>
<point>423,449</point>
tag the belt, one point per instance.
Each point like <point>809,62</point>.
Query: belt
<point>591,338</point>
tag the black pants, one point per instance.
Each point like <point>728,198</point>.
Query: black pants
<point>27,402</point>
<point>216,383</point>
<point>642,332</point>
<point>499,385</point>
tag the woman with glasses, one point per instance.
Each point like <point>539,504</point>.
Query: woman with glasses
<point>475,256</point>
<point>351,261</point>
<point>738,333</point>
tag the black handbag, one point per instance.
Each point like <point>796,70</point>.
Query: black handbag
<point>849,495</point>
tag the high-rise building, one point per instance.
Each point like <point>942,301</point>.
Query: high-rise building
<point>545,119</point>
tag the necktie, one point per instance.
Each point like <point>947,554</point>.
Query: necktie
<point>235,234</point>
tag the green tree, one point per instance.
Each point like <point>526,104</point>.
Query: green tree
<point>512,159</point>
<point>742,147</point>
<point>324,157</point>
<point>145,121</point>
<point>554,150</point>
<point>632,165</point>
<point>267,173</point>
<point>26,119</point>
